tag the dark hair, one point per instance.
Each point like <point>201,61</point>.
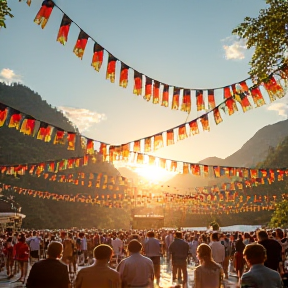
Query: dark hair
<point>279,233</point>
<point>215,236</point>
<point>178,234</point>
<point>102,252</point>
<point>262,235</point>
<point>255,253</point>
<point>150,234</point>
<point>54,249</point>
<point>134,246</point>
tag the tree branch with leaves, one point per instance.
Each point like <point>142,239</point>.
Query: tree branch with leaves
<point>268,35</point>
<point>4,11</point>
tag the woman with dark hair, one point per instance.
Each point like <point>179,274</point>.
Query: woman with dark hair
<point>21,252</point>
<point>238,256</point>
<point>209,273</point>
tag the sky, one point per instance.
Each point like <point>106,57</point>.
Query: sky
<point>182,43</point>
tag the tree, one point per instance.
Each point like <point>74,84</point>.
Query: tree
<point>268,34</point>
<point>280,215</point>
<point>4,11</point>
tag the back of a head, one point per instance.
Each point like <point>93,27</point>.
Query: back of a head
<point>134,246</point>
<point>204,251</point>
<point>262,235</point>
<point>54,249</point>
<point>279,233</point>
<point>150,234</point>
<point>102,252</point>
<point>255,253</point>
<point>178,234</point>
<point>215,236</point>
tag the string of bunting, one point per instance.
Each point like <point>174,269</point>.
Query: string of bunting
<point>159,92</point>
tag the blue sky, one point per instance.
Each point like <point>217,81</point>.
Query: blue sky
<point>182,43</point>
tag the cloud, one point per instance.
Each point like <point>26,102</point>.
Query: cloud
<point>8,76</point>
<point>234,48</point>
<point>83,119</point>
<point>281,108</point>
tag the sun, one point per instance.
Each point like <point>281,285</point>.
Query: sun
<point>154,174</point>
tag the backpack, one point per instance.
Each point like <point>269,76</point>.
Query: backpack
<point>68,247</point>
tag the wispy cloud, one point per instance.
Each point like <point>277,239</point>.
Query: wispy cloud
<point>281,108</point>
<point>8,76</point>
<point>234,48</point>
<point>84,119</point>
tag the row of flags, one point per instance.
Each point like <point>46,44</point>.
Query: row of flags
<point>166,95</point>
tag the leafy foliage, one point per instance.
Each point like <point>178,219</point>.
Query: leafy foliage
<point>4,11</point>
<point>268,34</point>
<point>280,215</point>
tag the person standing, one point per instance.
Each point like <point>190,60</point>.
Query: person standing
<point>218,250</point>
<point>152,249</point>
<point>117,245</point>
<point>34,244</point>
<point>168,240</point>
<point>49,272</point>
<point>179,250</point>
<point>99,274</point>
<point>136,270</point>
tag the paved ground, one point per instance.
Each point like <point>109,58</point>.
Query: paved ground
<point>166,281</point>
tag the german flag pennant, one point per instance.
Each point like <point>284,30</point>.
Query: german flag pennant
<point>90,147</point>
<point>173,166</point>
<point>206,170</point>
<point>125,151</point>
<point>227,92</point>
<point>140,158</point>
<point>136,147</point>
<point>137,90</point>
<point>64,30</point>
<point>244,102</point>
<point>170,138</point>
<point>231,106</point>
<point>151,160</point>
<point>123,82</point>
<point>59,137</point>
<point>80,45</point>
<point>158,141</point>
<point>14,119</point>
<point>185,168</point>
<point>97,59</point>
<point>50,167</point>
<point>211,99</point>
<point>217,171</point>
<point>111,68</point>
<point>71,138</point>
<point>195,169</point>
<point>194,127</point>
<point>44,13</point>
<point>27,126</point>
<point>217,116</point>
<point>148,89</point>
<point>156,92</point>
<point>205,122</point>
<point>257,97</point>
<point>274,89</point>
<point>147,145</point>
<point>175,99</point>
<point>3,114</point>
<point>103,150</point>
<point>186,102</point>
<point>162,163</point>
<point>182,132</point>
<point>165,96</point>
<point>200,100</point>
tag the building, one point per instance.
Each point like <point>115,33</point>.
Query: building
<point>10,213</point>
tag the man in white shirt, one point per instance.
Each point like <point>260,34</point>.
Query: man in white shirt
<point>34,244</point>
<point>218,250</point>
<point>117,245</point>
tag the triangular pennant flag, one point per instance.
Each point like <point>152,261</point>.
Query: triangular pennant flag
<point>165,96</point>
<point>97,59</point>
<point>44,13</point>
<point>111,68</point>
<point>62,36</point>
<point>137,83</point>
<point>123,81</point>
<point>80,45</point>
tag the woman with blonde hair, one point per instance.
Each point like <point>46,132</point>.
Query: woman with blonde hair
<point>209,273</point>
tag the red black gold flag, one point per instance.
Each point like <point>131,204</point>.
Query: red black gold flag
<point>137,83</point>
<point>227,92</point>
<point>217,115</point>
<point>170,137</point>
<point>200,100</point>
<point>158,141</point>
<point>148,89</point>
<point>71,138</point>
<point>111,67</point>
<point>194,127</point>
<point>173,166</point>
<point>28,125</point>
<point>90,146</point>
<point>186,103</point>
<point>231,106</point>
<point>211,99</point>
<point>206,170</point>
<point>162,163</point>
<point>59,136</point>
<point>44,13</point>
<point>103,150</point>
<point>185,168</point>
<point>151,160</point>
<point>205,122</point>
<point>125,151</point>
<point>257,97</point>
<point>182,132</point>
<point>123,81</point>
<point>175,99</point>
<point>244,88</point>
<point>195,169</point>
<point>274,89</point>
<point>3,114</point>
<point>80,45</point>
<point>245,104</point>
<point>147,145</point>
<point>136,147</point>
<point>156,92</point>
<point>165,96</point>
<point>64,29</point>
<point>15,119</point>
<point>97,59</point>
<point>140,158</point>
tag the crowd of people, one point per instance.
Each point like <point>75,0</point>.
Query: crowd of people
<point>132,258</point>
